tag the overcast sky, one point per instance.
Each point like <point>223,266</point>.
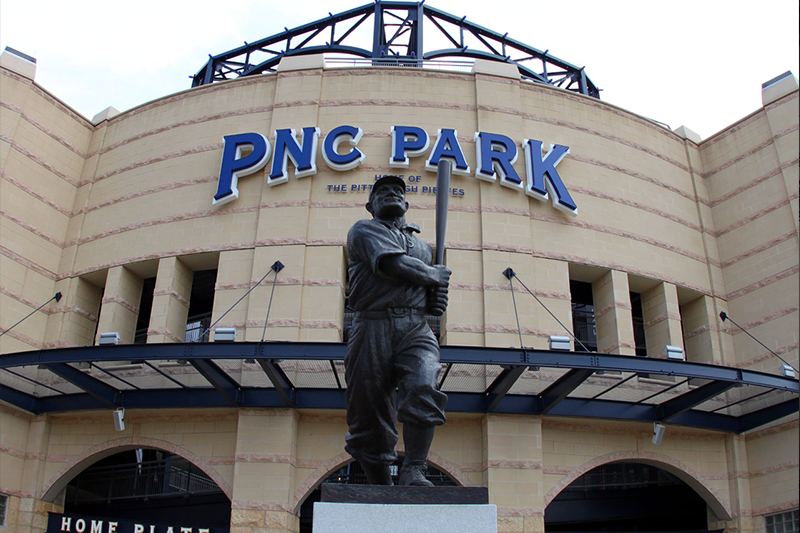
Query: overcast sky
<point>698,63</point>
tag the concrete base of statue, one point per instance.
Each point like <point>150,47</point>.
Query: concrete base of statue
<point>373,509</point>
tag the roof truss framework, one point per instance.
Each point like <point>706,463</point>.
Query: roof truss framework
<point>221,381</point>
<point>557,383</point>
<point>92,386</point>
<point>397,35</point>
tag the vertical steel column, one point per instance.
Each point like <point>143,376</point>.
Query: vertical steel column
<point>415,41</point>
<point>378,33</point>
<point>209,75</point>
<point>584,84</point>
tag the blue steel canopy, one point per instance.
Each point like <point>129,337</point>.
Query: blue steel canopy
<point>311,375</point>
<point>397,39</point>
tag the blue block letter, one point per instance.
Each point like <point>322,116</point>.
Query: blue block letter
<point>447,146</point>
<point>407,141</point>
<point>304,158</point>
<point>538,167</point>
<point>234,166</point>
<point>497,152</point>
<point>330,148</point>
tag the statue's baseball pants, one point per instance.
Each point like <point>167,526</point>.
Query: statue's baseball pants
<point>390,350</point>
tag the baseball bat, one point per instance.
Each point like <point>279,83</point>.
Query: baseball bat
<point>442,197</point>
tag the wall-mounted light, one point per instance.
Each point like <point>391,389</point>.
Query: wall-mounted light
<point>225,335</point>
<point>111,337</point>
<point>658,433</point>
<point>119,419</point>
<point>560,343</point>
<point>674,352</point>
<point>788,372</point>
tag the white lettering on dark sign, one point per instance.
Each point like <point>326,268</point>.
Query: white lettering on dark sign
<point>58,523</point>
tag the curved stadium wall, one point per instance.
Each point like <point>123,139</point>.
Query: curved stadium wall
<point>669,232</point>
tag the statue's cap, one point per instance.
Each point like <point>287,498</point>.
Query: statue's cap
<point>384,181</point>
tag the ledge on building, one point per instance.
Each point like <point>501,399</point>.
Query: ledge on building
<point>685,133</point>
<point>496,68</point>
<point>304,62</point>
<point>778,87</point>
<point>18,62</point>
<point>105,114</point>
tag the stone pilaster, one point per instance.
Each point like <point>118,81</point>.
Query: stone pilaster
<point>264,475</point>
<point>322,307</point>
<point>742,519</point>
<point>233,281</point>
<point>170,301</point>
<point>75,319</point>
<point>120,306</point>
<point>612,314</point>
<point>513,464</point>
<point>284,312</point>
<point>701,340</point>
<point>662,318</point>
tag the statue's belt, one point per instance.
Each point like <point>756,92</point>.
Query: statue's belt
<point>392,312</point>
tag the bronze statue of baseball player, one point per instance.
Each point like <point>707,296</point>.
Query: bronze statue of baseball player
<point>393,285</point>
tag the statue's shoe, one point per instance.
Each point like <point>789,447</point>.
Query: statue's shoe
<point>411,475</point>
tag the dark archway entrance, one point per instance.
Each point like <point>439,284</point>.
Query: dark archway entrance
<point>352,474</point>
<point>626,497</point>
<point>148,485</point>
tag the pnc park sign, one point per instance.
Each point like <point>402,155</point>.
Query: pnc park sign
<point>247,153</point>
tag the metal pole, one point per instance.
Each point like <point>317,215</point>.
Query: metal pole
<point>724,316</point>
<point>209,328</point>
<point>509,273</point>
<point>277,267</point>
<point>57,298</point>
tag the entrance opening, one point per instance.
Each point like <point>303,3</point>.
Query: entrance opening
<point>353,474</point>
<point>627,496</point>
<point>148,485</point>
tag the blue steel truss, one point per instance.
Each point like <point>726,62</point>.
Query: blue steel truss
<point>397,38</point>
<point>689,394</point>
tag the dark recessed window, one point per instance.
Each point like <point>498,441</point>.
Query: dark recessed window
<point>145,308</point>
<point>583,322</point>
<point>637,314</point>
<point>201,304</point>
<point>3,509</point>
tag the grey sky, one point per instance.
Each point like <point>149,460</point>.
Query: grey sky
<point>697,63</point>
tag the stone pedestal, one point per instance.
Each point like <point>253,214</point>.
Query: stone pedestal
<point>373,509</point>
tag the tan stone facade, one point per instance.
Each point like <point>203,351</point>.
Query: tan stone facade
<point>95,209</point>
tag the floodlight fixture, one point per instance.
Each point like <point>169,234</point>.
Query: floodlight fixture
<point>560,343</point>
<point>225,335</point>
<point>108,338</point>
<point>674,352</point>
<point>658,433</point>
<point>119,419</point>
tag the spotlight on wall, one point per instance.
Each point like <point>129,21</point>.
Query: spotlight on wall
<point>788,372</point>
<point>560,343</point>
<point>658,433</point>
<point>224,334</point>
<point>674,352</point>
<point>119,419</point>
<point>108,338</point>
